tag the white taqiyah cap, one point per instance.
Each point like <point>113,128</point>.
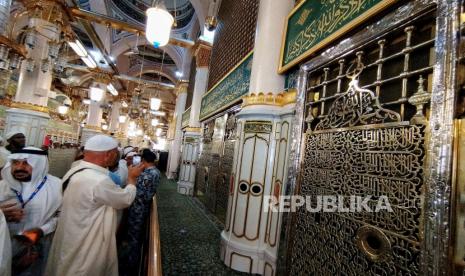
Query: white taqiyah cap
<point>101,143</point>
<point>132,153</point>
<point>127,150</point>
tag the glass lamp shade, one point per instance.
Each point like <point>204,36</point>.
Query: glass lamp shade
<point>158,113</point>
<point>78,48</point>
<point>122,119</point>
<point>131,133</point>
<point>154,122</point>
<point>105,127</point>
<point>155,103</point>
<point>96,94</point>
<point>63,109</point>
<point>158,28</point>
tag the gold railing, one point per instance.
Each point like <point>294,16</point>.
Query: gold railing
<point>154,257</point>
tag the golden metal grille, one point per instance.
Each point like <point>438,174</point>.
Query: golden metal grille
<point>365,135</point>
<point>392,68</point>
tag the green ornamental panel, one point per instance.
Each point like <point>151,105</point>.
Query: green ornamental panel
<point>228,90</point>
<point>185,117</point>
<point>315,23</point>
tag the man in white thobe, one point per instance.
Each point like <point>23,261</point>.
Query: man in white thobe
<point>85,242</point>
<point>5,247</point>
<point>30,199</point>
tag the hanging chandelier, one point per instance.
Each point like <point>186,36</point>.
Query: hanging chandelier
<point>122,119</point>
<point>158,28</point>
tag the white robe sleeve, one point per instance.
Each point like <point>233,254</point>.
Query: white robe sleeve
<point>49,226</point>
<point>109,194</point>
<point>5,247</point>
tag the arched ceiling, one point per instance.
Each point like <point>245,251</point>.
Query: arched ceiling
<point>159,65</point>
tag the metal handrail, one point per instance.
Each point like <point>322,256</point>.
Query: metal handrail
<point>154,262</point>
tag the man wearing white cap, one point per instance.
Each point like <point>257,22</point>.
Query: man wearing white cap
<point>85,242</point>
<point>16,141</point>
<point>30,199</point>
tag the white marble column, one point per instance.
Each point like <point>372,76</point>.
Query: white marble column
<point>122,134</point>
<point>250,240</point>
<point>191,141</point>
<point>29,111</point>
<point>175,148</point>
<point>93,122</point>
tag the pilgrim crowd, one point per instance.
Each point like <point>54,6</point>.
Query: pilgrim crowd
<point>93,221</point>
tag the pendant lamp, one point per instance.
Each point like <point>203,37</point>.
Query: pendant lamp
<point>158,28</point>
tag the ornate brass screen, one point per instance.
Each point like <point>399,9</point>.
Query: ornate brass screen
<point>366,130</point>
<point>214,169</point>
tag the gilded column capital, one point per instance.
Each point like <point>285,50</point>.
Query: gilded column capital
<point>102,76</point>
<point>94,128</point>
<point>181,87</point>
<point>280,99</point>
<point>29,106</point>
<point>53,11</point>
<point>202,53</point>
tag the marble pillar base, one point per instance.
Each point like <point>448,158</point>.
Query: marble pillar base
<point>87,133</point>
<point>186,188</point>
<point>244,258</point>
<point>189,156</point>
<point>33,124</point>
<point>249,242</point>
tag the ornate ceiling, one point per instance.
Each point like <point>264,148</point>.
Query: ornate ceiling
<point>131,54</point>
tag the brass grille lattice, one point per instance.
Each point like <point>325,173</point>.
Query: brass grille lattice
<point>393,65</point>
<point>365,136</point>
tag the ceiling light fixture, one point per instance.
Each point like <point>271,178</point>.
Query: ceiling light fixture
<point>158,28</point>
<point>158,113</point>
<point>78,48</point>
<point>63,109</point>
<point>96,93</point>
<point>122,119</point>
<point>155,103</point>
<point>89,61</point>
<point>112,89</point>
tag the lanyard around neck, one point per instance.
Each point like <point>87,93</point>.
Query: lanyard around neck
<point>20,196</point>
